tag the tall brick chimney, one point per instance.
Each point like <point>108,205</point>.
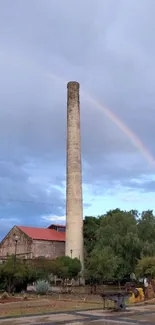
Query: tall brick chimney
<point>74,201</point>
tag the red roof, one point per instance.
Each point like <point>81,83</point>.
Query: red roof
<point>43,233</point>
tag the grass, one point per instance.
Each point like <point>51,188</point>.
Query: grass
<point>52,306</point>
<point>56,303</point>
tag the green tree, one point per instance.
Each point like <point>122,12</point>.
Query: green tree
<point>118,230</point>
<point>74,268</point>
<point>146,233</point>
<point>66,267</point>
<point>145,266</point>
<point>90,227</point>
<point>43,267</point>
<point>101,265</point>
<point>16,273</point>
<point>128,234</point>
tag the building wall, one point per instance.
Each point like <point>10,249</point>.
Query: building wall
<point>24,244</point>
<point>28,248</point>
<point>48,249</point>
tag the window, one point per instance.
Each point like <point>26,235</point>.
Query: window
<point>61,229</point>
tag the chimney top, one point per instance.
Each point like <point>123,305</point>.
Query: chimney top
<point>73,84</point>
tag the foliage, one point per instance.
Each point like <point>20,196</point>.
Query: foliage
<point>63,267</point>
<point>25,297</point>
<point>90,227</point>
<point>43,268</point>
<point>5,296</point>
<point>74,268</point>
<point>146,266</point>
<point>126,235</point>
<point>66,267</point>
<point>15,274</point>
<point>42,287</point>
<point>146,232</point>
<point>102,265</point>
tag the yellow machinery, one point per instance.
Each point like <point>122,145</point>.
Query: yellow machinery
<point>137,295</point>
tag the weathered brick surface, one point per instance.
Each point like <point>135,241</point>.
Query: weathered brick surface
<point>48,249</point>
<point>74,204</point>
<point>24,244</point>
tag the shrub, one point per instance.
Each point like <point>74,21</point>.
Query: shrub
<point>5,295</point>
<point>25,297</point>
<point>42,287</point>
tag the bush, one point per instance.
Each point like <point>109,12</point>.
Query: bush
<point>5,295</point>
<point>42,287</point>
<point>25,297</point>
<point>15,277</point>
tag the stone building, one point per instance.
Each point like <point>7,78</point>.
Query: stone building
<point>30,242</point>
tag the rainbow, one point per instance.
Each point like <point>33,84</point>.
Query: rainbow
<point>117,121</point>
<point>123,127</point>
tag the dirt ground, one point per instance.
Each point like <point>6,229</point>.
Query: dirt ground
<point>140,315</point>
<point>10,299</point>
<point>60,296</point>
<point>41,305</point>
<point>17,306</point>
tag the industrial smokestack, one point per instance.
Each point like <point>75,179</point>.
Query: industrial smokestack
<point>74,201</point>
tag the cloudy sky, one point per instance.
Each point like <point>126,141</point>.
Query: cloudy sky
<point>109,47</point>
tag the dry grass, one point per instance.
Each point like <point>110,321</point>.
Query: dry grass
<point>42,306</point>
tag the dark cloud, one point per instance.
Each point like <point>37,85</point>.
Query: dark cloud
<point>143,185</point>
<point>108,46</point>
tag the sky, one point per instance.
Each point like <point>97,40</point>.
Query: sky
<point>108,46</point>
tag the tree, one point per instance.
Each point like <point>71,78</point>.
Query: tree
<point>74,268</point>
<point>118,230</point>
<point>146,266</point>
<point>66,267</point>
<point>146,233</point>
<point>43,267</point>
<point>102,265</point>
<point>129,236</point>
<point>90,227</point>
<point>15,273</point>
